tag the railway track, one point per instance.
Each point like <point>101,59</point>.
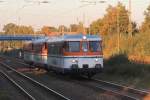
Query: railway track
<point>17,60</point>
<point>18,86</point>
<point>123,92</point>
<point>32,88</point>
<point>133,93</point>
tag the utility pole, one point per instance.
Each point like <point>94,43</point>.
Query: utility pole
<point>118,29</point>
<point>92,2</point>
<point>89,27</point>
<point>130,21</point>
<point>84,31</point>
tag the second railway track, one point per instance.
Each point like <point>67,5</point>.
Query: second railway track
<point>34,89</point>
<point>125,90</point>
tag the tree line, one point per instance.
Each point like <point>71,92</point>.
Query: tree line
<point>12,28</point>
<point>115,22</point>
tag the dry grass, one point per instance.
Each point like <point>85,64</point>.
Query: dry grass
<point>122,70</point>
<point>139,59</point>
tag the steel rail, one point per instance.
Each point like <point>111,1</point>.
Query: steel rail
<point>126,97</point>
<point>20,60</point>
<point>107,90</point>
<point>18,86</point>
<point>127,89</point>
<point>34,81</point>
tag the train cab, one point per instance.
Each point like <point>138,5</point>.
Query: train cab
<point>84,55</point>
<point>81,54</point>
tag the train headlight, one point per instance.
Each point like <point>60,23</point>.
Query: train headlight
<point>74,61</point>
<point>96,60</point>
<point>84,37</point>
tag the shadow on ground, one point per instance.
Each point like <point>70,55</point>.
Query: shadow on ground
<point>12,53</point>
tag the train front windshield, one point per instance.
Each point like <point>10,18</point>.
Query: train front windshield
<point>84,46</point>
<point>95,46</point>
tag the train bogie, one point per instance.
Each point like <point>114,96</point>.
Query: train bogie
<point>40,60</point>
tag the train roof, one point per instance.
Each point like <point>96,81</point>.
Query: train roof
<point>62,38</point>
<point>77,37</point>
<point>42,40</point>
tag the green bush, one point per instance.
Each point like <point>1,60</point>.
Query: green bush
<point>4,96</point>
<point>117,59</point>
<point>120,65</point>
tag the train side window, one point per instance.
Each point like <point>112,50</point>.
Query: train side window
<point>54,49</point>
<point>72,46</point>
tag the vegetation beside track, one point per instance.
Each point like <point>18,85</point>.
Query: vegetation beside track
<point>4,95</point>
<point>120,69</point>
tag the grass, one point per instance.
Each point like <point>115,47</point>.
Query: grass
<point>4,96</point>
<point>121,70</point>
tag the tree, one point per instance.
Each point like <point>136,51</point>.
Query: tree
<point>48,30</point>
<point>95,26</point>
<point>63,28</point>
<point>45,30</point>
<point>115,19</point>
<point>11,28</point>
<point>80,28</point>
<point>24,30</point>
<point>74,27</point>
<point>146,24</point>
<point>1,32</point>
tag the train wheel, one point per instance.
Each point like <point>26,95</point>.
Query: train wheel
<point>89,75</point>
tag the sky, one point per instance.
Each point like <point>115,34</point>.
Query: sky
<point>62,12</point>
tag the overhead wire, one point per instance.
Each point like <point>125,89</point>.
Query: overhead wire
<point>33,2</point>
<point>70,11</point>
